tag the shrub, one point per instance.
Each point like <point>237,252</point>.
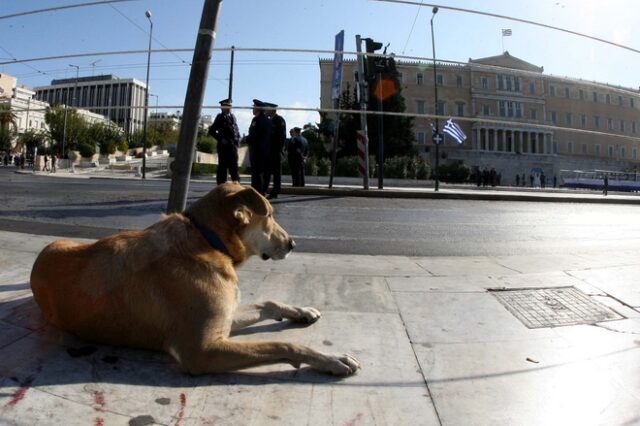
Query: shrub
<point>206,144</point>
<point>455,172</point>
<point>347,166</point>
<point>87,150</point>
<point>203,169</point>
<point>324,166</point>
<point>311,166</point>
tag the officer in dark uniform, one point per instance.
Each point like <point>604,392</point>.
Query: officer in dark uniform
<point>225,130</point>
<point>297,153</point>
<point>258,140</point>
<point>276,146</point>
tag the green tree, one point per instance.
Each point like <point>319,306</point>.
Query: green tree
<point>76,127</point>
<point>7,126</point>
<point>32,139</point>
<point>397,131</point>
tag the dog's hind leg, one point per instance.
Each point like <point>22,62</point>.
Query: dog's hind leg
<point>247,315</point>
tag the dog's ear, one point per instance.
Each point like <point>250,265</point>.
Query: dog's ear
<point>247,203</point>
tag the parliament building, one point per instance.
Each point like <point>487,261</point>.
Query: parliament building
<point>516,118</point>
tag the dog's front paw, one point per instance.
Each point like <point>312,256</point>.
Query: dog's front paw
<point>341,365</point>
<point>307,315</point>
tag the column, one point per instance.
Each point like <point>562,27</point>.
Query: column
<point>495,139</point>
<point>504,140</point>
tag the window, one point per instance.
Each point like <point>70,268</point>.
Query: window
<point>581,94</point>
<point>596,122</point>
<point>609,124</point>
<point>459,81</point>
<point>567,92</point>
<point>420,138</point>
<point>584,148</point>
<point>623,152</point>
<point>620,101</point>
<point>420,107</point>
<point>553,117</point>
<point>486,109</point>
<point>484,82</point>
<point>439,80</point>
<point>595,96</point>
<point>583,121</point>
<point>532,87</point>
<point>632,103</point>
<point>633,127</point>
<point>419,79</point>
<point>622,125</point>
<point>634,153</point>
<point>597,149</point>
<point>552,90</point>
<point>533,114</point>
<point>510,109</point>
<point>568,119</point>
<point>440,110</point>
<point>460,109</point>
<point>569,148</point>
<point>608,99</point>
<point>610,151</point>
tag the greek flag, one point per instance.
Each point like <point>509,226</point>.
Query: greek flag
<point>454,131</point>
<point>506,32</point>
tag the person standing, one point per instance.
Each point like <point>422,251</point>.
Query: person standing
<point>276,145</point>
<point>225,130</point>
<point>296,155</point>
<point>54,160</point>
<point>45,168</point>
<point>258,141</point>
<point>605,188</point>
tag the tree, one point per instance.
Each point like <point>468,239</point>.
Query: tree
<point>32,139</point>
<point>397,131</point>
<point>7,126</point>
<point>76,127</point>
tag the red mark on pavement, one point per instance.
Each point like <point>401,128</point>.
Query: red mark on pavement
<point>353,421</point>
<point>98,399</point>
<point>183,404</point>
<point>19,394</point>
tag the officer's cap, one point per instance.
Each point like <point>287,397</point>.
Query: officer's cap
<point>225,102</point>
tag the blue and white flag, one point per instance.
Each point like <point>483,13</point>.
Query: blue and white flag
<point>454,131</point>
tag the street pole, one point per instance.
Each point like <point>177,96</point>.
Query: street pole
<point>146,100</point>
<point>380,133</point>
<point>231,73</point>
<point>435,91</point>
<point>194,97</point>
<point>75,90</point>
<point>363,109</point>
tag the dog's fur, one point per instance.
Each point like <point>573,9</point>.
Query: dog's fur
<point>166,288</point>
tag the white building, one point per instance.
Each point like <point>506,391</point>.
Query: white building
<point>122,100</point>
<point>29,112</point>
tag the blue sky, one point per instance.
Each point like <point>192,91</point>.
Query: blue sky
<point>292,79</point>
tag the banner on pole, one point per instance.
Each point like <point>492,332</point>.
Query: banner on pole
<point>336,81</point>
<point>361,143</point>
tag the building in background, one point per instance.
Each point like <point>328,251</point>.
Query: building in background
<point>121,100</point>
<point>29,111</point>
<point>516,118</point>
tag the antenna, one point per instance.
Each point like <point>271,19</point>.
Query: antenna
<point>93,66</point>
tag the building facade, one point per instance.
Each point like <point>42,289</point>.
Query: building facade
<point>121,100</point>
<point>29,112</point>
<point>516,118</point>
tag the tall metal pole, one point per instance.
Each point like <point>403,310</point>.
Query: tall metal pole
<point>194,97</point>
<point>146,100</point>
<point>363,109</point>
<point>231,73</point>
<point>435,91</point>
<point>75,90</point>
<point>380,133</point>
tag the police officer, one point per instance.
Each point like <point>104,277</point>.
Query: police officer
<point>258,140</point>
<point>225,130</point>
<point>276,146</point>
<point>297,153</point>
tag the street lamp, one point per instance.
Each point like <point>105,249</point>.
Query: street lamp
<point>75,90</point>
<point>146,99</point>
<point>436,138</point>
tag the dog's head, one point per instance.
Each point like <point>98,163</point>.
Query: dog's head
<point>241,213</point>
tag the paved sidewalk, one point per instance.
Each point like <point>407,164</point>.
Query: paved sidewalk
<point>436,348</point>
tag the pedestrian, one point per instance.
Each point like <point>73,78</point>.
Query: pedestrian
<point>258,141</point>
<point>45,168</point>
<point>605,187</point>
<point>543,180</point>
<point>54,160</point>
<point>296,155</point>
<point>225,131</point>
<point>276,146</point>
<point>517,180</point>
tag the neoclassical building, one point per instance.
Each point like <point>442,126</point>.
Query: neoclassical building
<point>121,100</point>
<point>516,118</point>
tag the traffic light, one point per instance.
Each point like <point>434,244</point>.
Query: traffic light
<point>372,63</point>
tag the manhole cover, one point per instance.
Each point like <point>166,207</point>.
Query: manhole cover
<point>553,307</point>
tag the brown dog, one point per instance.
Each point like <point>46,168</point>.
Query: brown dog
<point>173,287</point>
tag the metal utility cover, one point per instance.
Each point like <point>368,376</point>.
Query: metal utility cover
<point>553,306</point>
